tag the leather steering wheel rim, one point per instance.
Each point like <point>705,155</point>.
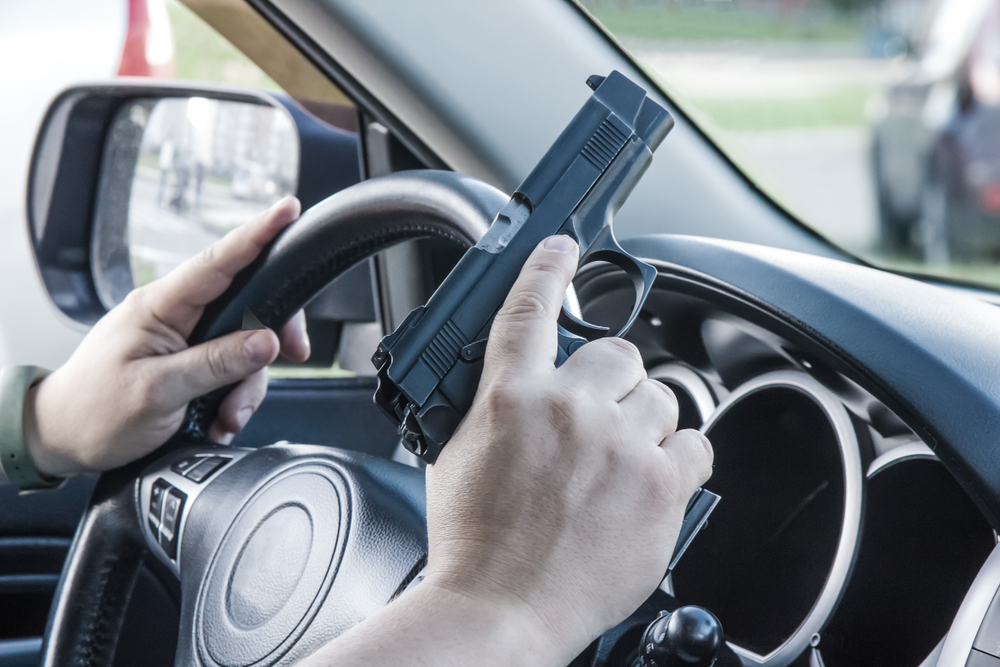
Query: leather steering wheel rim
<point>109,552</point>
<point>370,217</point>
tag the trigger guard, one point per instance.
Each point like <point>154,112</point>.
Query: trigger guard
<point>575,325</point>
<point>605,248</point>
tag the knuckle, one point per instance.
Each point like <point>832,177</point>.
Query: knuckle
<point>708,458</point>
<point>665,394</point>
<point>209,260</point>
<point>688,466</point>
<point>618,350</point>
<point>219,363</point>
<point>503,397</point>
<point>136,301</point>
<point>699,454</point>
<point>624,347</point>
<point>613,458</point>
<point>563,410</point>
<point>527,304</point>
<point>207,257</point>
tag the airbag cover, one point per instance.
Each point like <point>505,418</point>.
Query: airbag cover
<point>273,568</point>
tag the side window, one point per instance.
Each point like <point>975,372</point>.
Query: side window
<point>206,166</point>
<point>202,54</point>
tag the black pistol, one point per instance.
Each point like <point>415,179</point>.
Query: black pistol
<point>429,367</point>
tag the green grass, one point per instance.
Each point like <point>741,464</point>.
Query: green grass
<point>845,107</point>
<point>978,273</point>
<point>202,54</point>
<point>723,22</point>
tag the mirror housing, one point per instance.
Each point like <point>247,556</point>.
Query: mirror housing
<point>80,187</point>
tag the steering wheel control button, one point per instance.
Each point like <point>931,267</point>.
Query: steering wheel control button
<point>156,500</point>
<point>273,569</point>
<point>173,507</point>
<point>205,467</point>
<point>184,465</point>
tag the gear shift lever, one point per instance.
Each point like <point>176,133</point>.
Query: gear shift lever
<point>688,637</point>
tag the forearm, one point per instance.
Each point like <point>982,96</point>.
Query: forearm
<point>436,627</point>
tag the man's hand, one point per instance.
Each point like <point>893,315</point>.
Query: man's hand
<point>564,489</point>
<point>124,391</point>
<point>553,511</point>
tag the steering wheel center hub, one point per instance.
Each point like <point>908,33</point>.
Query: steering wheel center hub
<point>272,569</point>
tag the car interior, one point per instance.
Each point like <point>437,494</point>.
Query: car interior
<point>854,411</point>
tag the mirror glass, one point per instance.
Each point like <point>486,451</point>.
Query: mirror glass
<point>204,167</point>
<point>178,174</point>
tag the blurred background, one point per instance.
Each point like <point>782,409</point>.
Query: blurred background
<point>876,122</point>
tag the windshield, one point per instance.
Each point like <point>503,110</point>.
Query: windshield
<point>875,122</point>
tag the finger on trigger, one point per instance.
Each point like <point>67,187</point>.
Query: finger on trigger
<point>523,335</point>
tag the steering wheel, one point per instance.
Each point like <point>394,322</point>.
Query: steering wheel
<point>276,550</point>
<point>280,549</point>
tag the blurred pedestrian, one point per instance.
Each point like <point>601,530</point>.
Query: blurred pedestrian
<point>166,162</point>
<point>199,177</point>
<point>182,178</point>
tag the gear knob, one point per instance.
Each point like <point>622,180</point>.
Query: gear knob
<point>690,636</point>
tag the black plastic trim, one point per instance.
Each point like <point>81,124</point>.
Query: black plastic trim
<point>930,355</point>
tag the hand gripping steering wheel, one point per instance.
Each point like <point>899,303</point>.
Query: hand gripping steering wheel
<point>276,551</point>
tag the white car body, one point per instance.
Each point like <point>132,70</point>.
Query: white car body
<point>46,47</point>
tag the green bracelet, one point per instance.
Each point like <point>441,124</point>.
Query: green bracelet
<point>14,460</point>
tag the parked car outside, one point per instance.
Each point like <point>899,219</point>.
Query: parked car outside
<point>936,140</point>
<point>56,44</point>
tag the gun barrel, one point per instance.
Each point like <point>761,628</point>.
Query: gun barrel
<point>592,132</point>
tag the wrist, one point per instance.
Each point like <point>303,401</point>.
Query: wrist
<point>39,439</point>
<point>508,629</point>
<point>17,384</point>
<point>434,625</point>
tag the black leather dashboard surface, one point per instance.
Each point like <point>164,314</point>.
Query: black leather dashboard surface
<point>931,353</point>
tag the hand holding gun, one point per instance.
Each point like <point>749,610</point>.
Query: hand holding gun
<point>429,368</point>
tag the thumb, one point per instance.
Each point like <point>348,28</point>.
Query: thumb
<point>217,363</point>
<point>523,337</point>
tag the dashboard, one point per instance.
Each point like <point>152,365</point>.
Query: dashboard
<point>853,414</point>
<point>841,539</point>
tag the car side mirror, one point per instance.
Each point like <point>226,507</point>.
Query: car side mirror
<point>129,179</point>
<point>176,175</point>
